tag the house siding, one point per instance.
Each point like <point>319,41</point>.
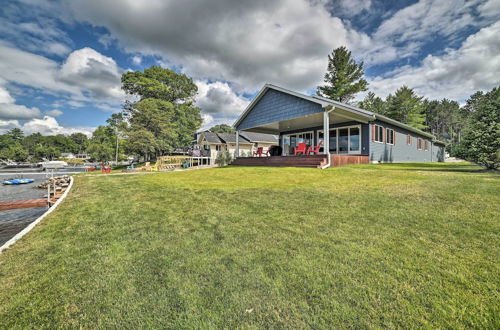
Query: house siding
<point>276,106</point>
<point>401,152</point>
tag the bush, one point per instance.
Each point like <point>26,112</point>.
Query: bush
<point>224,158</point>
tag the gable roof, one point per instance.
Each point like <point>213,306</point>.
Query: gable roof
<point>211,137</point>
<point>327,103</point>
<point>222,138</point>
<point>231,138</point>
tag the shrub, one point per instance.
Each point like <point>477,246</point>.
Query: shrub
<point>224,158</point>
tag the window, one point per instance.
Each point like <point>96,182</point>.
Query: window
<point>420,144</point>
<point>390,136</point>
<point>426,144</point>
<point>218,147</point>
<point>378,133</point>
<point>354,135</point>
<point>408,139</point>
<point>343,139</point>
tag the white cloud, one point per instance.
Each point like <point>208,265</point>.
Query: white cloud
<point>137,60</point>
<point>16,111</point>
<point>490,8</point>
<point>85,76</point>
<point>217,98</point>
<point>94,72</point>
<point>5,96</point>
<point>9,110</point>
<point>6,125</point>
<point>49,126</point>
<point>456,74</point>
<point>251,43</point>
<point>54,113</point>
<point>207,120</point>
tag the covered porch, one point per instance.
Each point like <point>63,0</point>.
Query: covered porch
<point>341,132</point>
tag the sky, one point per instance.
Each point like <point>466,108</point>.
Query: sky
<point>61,61</point>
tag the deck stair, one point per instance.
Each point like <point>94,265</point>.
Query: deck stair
<point>313,161</point>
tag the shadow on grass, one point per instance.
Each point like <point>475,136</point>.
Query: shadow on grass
<point>439,167</point>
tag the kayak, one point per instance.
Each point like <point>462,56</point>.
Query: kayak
<point>17,181</point>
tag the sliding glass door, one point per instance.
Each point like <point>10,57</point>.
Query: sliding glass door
<point>343,140</point>
<point>291,141</point>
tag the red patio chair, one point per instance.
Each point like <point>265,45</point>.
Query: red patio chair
<point>315,149</point>
<point>300,149</point>
<point>259,152</point>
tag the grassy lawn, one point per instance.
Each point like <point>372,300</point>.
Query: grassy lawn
<point>361,246</point>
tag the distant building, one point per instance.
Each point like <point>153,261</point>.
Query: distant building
<point>68,155</point>
<point>211,143</point>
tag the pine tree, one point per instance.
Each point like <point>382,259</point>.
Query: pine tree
<point>344,77</point>
<point>373,103</point>
<point>481,142</point>
<point>405,106</point>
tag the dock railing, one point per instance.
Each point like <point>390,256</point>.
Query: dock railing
<point>166,163</point>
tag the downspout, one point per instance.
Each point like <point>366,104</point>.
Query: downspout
<point>326,126</point>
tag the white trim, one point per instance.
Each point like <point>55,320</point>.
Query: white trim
<point>32,225</point>
<point>383,128</point>
<point>387,129</point>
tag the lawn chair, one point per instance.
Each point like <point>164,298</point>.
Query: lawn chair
<point>300,149</point>
<point>260,152</point>
<point>314,150</point>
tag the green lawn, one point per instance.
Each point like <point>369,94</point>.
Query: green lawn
<point>361,246</point>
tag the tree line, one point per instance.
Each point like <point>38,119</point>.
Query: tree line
<point>15,146</point>
<point>471,131</point>
<point>163,117</point>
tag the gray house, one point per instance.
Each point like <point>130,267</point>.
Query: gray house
<point>349,134</point>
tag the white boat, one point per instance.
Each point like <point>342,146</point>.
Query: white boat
<point>53,164</point>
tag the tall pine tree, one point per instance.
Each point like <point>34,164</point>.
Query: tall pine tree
<point>373,103</point>
<point>405,106</point>
<point>344,77</point>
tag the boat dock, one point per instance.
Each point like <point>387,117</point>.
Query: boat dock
<point>29,203</point>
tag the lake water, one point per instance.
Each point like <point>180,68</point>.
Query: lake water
<point>13,221</point>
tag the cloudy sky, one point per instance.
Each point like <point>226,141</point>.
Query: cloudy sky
<point>61,61</point>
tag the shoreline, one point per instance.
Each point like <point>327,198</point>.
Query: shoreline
<point>32,225</point>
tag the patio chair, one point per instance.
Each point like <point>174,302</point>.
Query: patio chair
<point>300,149</point>
<point>314,149</point>
<point>260,152</point>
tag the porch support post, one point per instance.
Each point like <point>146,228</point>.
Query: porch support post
<point>237,152</point>
<point>326,133</point>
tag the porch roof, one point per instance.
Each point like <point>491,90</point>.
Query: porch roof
<point>341,112</point>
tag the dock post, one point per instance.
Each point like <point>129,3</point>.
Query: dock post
<point>48,195</point>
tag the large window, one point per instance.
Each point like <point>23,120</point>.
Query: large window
<point>390,138</point>
<point>378,134</point>
<point>354,139</point>
<point>343,139</point>
<point>333,140</point>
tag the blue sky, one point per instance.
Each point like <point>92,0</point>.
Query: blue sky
<point>61,61</point>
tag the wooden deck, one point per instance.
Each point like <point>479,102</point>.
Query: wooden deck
<point>316,161</point>
<point>29,203</point>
